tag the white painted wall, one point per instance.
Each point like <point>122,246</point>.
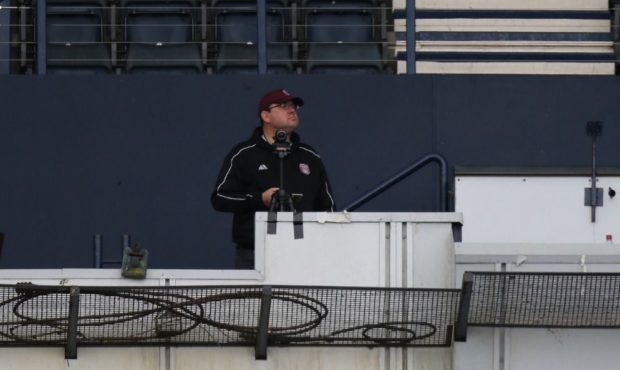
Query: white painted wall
<point>535,209</point>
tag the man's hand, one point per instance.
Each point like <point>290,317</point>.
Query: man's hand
<point>268,194</point>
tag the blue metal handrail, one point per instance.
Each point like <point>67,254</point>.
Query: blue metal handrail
<point>405,172</point>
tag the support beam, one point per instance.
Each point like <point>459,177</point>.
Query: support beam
<point>41,37</point>
<point>410,9</point>
<point>263,325</point>
<point>5,38</point>
<point>460,332</point>
<point>74,309</point>
<point>261,20</point>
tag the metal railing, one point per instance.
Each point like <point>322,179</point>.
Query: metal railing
<point>226,316</point>
<point>260,316</point>
<point>539,300</point>
<point>404,173</point>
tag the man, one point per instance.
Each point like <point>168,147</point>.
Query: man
<point>249,177</point>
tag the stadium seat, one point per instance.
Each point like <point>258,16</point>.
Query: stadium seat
<point>340,37</point>
<point>160,37</point>
<point>236,36</point>
<point>75,38</point>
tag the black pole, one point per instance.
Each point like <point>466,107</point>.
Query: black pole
<point>1,242</point>
<point>262,331</point>
<point>279,201</point>
<point>593,181</point>
<point>594,130</point>
<point>281,191</point>
<point>97,246</point>
<point>616,21</point>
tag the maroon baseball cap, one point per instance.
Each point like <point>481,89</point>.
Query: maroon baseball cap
<point>277,97</point>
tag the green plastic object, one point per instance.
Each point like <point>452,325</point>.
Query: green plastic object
<point>134,262</point>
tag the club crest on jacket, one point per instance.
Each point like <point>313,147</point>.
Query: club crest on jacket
<point>304,168</point>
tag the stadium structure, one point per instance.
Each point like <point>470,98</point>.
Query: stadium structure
<point>469,144</point>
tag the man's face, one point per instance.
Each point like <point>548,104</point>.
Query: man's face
<point>282,116</point>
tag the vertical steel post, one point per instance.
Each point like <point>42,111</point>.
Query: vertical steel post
<point>410,8</point>
<point>41,37</point>
<point>261,21</point>
<point>260,351</point>
<point>74,310</point>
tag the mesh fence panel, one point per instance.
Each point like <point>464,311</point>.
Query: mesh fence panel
<point>412,317</point>
<point>545,300</point>
<point>330,316</point>
<point>37,315</point>
<point>33,316</point>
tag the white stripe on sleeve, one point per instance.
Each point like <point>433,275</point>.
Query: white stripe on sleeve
<point>228,172</point>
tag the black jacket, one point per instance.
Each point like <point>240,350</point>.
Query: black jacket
<point>251,167</point>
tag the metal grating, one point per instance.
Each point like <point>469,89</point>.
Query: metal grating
<point>545,300</point>
<point>347,316</point>
<point>40,315</point>
<point>297,315</point>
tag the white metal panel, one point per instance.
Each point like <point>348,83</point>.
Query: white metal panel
<point>512,68</point>
<point>508,5</point>
<point>329,254</point>
<point>285,358</point>
<point>507,25</point>
<point>534,209</point>
<point>433,256</point>
<point>373,217</point>
<point>537,253</point>
<point>356,249</point>
<point>384,255</point>
<point>544,349</point>
<point>394,355</point>
<point>477,352</point>
<point>110,276</point>
<point>89,358</point>
<point>432,266</point>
